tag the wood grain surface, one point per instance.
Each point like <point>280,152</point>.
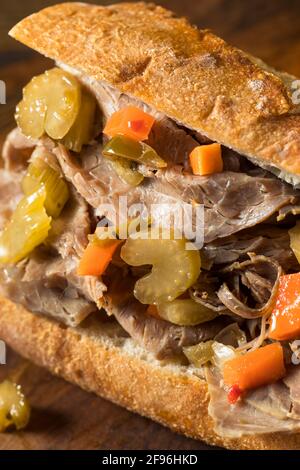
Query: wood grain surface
<point>63,416</point>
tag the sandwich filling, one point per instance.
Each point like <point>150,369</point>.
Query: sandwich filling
<point>228,307</point>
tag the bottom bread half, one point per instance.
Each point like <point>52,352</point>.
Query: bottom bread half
<point>98,358</point>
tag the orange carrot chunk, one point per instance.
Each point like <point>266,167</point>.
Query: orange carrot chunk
<point>130,121</point>
<point>285,318</point>
<point>255,368</point>
<point>206,159</point>
<point>97,257</point>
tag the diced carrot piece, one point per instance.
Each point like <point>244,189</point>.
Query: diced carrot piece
<point>285,318</point>
<point>206,159</point>
<point>130,121</point>
<point>255,368</point>
<point>97,257</point>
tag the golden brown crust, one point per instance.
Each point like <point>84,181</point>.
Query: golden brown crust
<point>189,74</point>
<point>88,358</point>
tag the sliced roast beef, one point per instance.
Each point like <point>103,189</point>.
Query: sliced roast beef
<point>10,194</point>
<point>292,381</point>
<point>264,410</point>
<point>274,400</point>
<point>251,287</point>
<point>171,142</point>
<point>162,338</point>
<point>245,289</point>
<point>233,201</point>
<point>204,291</point>
<point>17,150</point>
<point>41,284</point>
<point>268,240</point>
<point>55,271</point>
<point>96,184</point>
<point>69,233</point>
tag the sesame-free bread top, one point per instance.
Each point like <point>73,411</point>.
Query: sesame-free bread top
<point>189,74</point>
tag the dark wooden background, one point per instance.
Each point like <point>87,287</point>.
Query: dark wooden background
<point>65,417</point>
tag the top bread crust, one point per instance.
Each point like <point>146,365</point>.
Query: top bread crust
<point>189,74</point>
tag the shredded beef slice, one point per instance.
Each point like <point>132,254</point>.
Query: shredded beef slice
<point>233,201</point>
<point>45,285</point>
<point>17,150</point>
<point>262,411</point>
<point>260,276</point>
<point>69,233</point>
<point>268,240</point>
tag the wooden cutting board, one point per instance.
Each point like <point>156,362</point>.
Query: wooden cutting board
<point>63,416</point>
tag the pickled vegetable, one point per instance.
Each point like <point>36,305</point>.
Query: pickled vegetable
<point>295,240</point>
<point>206,159</point>
<point>82,130</point>
<point>285,318</point>
<point>130,121</point>
<point>199,354</point>
<point>210,351</point>
<point>125,147</point>
<point>222,353</point>
<point>63,102</point>
<point>28,228</point>
<point>57,193</point>
<point>50,104</point>
<point>31,111</point>
<point>255,368</point>
<point>174,268</point>
<point>185,312</point>
<point>126,171</point>
<point>14,408</point>
<point>232,335</point>
<point>97,256</point>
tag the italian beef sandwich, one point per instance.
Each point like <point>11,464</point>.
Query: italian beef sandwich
<point>197,329</point>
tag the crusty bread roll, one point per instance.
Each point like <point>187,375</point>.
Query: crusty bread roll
<point>99,359</point>
<point>189,74</point>
<point>197,79</point>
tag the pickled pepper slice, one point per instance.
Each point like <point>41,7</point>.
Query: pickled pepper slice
<point>40,173</point>
<point>50,104</point>
<point>185,312</point>
<point>126,171</point>
<point>28,228</point>
<point>82,130</point>
<point>125,147</point>
<point>14,408</point>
